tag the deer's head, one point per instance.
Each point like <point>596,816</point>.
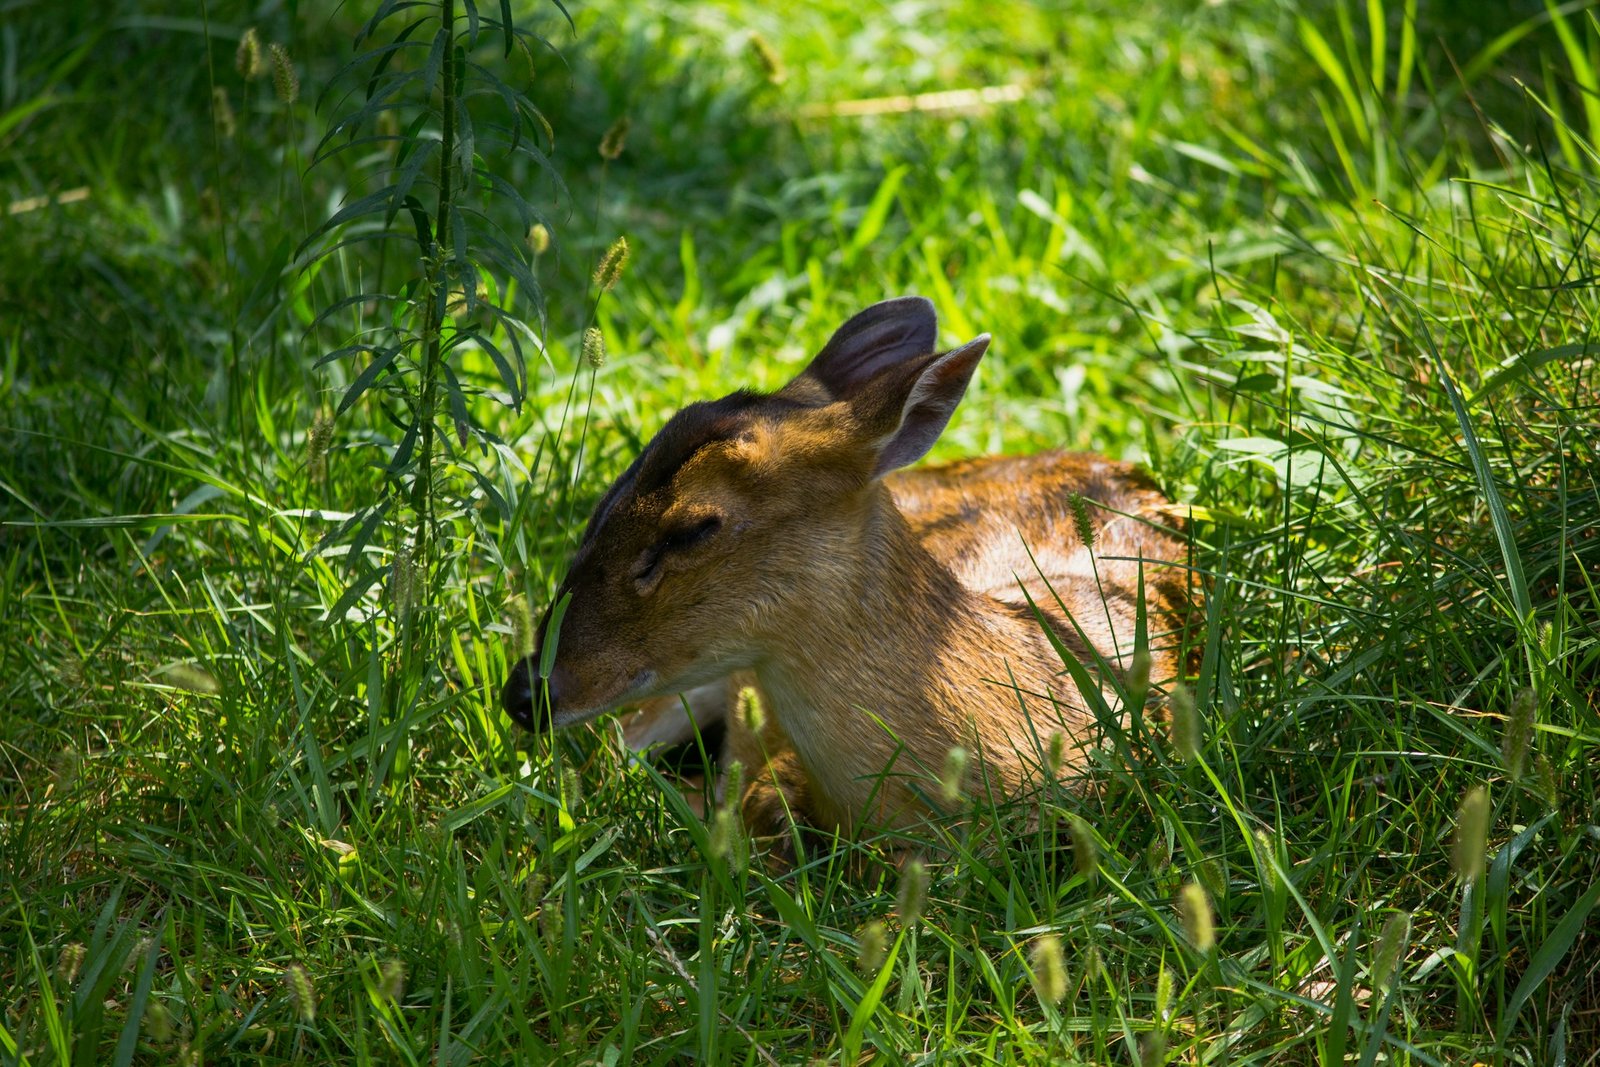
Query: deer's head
<point>725,532</point>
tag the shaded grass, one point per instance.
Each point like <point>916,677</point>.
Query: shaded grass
<point>1203,240</point>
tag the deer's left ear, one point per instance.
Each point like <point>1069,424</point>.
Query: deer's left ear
<point>927,400</point>
<point>884,339</point>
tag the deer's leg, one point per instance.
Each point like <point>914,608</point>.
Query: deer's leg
<point>775,795</point>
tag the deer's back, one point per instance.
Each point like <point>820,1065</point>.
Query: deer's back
<point>1003,524</point>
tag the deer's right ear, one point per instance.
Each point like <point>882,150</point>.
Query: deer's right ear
<point>876,340</point>
<point>926,403</point>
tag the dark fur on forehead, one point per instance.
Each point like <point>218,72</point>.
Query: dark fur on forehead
<point>686,433</point>
<point>699,425</point>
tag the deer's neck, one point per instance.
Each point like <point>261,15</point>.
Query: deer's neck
<point>898,663</point>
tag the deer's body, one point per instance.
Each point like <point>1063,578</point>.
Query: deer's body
<point>884,618</point>
<point>930,615</point>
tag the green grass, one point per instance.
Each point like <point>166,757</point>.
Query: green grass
<point>1334,286</point>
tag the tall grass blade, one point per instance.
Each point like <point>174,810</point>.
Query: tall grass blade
<point>1544,961</point>
<point>1505,536</point>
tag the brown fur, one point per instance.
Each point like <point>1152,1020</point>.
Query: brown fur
<point>946,553</point>
<point>881,619</point>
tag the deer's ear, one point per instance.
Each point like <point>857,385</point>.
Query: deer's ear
<point>927,401</point>
<point>878,340</point>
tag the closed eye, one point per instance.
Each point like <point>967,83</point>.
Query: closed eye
<point>690,536</point>
<point>677,541</point>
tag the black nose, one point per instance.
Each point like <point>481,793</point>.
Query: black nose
<point>527,698</point>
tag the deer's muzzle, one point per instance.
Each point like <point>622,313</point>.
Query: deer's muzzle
<point>530,700</point>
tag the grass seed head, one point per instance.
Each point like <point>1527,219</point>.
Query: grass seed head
<point>607,274</point>
<point>616,138</point>
<point>391,980</point>
<point>64,769</point>
<point>727,837</point>
<point>768,60</point>
<point>1391,947</point>
<point>594,347</point>
<point>1163,996</point>
<point>751,713</point>
<point>1186,734</point>
<point>912,899</point>
<point>222,113</point>
<point>136,954</point>
<point>1085,854</point>
<point>872,947</point>
<point>1266,851</point>
<point>1081,520</point>
<point>552,920</point>
<point>1158,853</point>
<point>538,237</point>
<point>1137,681</point>
<point>1194,907</point>
<point>69,963</point>
<point>1049,968</point>
<point>1472,835</point>
<point>521,626</point>
<point>1093,964</point>
<point>285,79</point>
<point>1547,782</point>
<point>952,780</point>
<point>193,678</point>
<point>247,58</point>
<point>318,437</point>
<point>533,890</point>
<point>1517,738</point>
<point>1055,754</point>
<point>733,784</point>
<point>302,994</point>
<point>158,1023</point>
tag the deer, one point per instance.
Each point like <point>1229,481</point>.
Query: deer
<point>883,616</point>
